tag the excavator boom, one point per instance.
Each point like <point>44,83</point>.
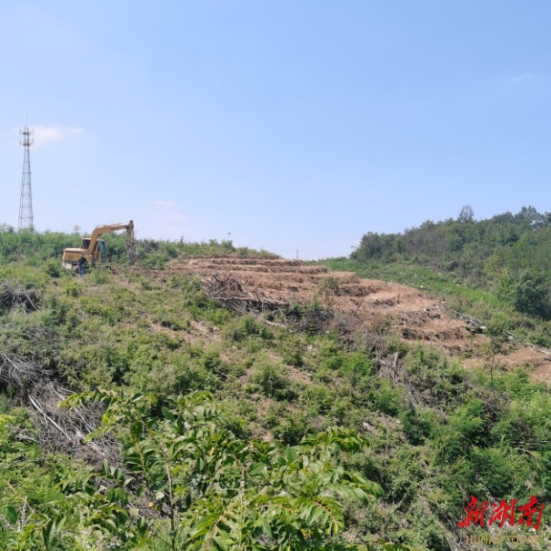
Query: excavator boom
<point>91,250</point>
<point>129,227</point>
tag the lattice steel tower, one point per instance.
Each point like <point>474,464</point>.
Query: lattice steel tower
<point>26,220</point>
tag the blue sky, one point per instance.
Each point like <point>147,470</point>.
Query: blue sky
<point>289,124</point>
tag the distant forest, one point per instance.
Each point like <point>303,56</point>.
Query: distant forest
<point>509,254</point>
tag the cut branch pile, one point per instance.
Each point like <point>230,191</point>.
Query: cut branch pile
<point>13,295</point>
<point>231,293</point>
<point>310,320</point>
<point>60,429</point>
<point>16,372</point>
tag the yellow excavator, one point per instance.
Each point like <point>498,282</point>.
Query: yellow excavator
<point>94,249</point>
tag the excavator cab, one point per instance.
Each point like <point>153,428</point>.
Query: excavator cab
<point>100,252</point>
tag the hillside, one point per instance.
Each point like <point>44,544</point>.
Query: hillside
<point>505,258</point>
<point>338,410</point>
<point>409,313</point>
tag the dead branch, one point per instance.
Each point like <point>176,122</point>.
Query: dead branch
<point>13,295</point>
<point>231,293</point>
<point>39,389</point>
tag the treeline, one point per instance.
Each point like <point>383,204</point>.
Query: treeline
<point>34,248</point>
<point>509,254</point>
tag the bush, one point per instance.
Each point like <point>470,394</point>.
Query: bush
<point>245,327</point>
<point>52,268</point>
<point>272,380</point>
<point>531,296</point>
<point>293,429</point>
<point>289,428</point>
<point>171,250</point>
<point>99,275</point>
<point>154,261</point>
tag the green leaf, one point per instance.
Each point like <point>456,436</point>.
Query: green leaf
<point>167,413</point>
<point>11,514</point>
<point>49,533</point>
<point>136,429</point>
<point>292,454</point>
<point>266,528</point>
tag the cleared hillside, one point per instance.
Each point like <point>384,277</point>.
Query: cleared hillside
<point>412,314</point>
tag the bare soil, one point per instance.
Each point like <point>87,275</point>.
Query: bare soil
<point>538,360</point>
<point>409,313</point>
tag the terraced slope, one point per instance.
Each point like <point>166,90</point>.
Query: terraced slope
<point>410,313</point>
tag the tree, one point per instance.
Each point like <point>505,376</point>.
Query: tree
<point>370,246</point>
<point>528,213</point>
<point>6,228</point>
<point>532,296</point>
<point>498,338</point>
<point>466,215</point>
<point>193,469</point>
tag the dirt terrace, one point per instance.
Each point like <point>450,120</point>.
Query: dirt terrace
<point>412,314</point>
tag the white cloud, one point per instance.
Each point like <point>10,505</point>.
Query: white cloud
<point>165,203</point>
<point>46,134</point>
<point>170,221</point>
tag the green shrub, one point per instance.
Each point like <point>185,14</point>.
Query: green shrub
<point>356,367</point>
<point>272,380</point>
<point>245,327</point>
<point>292,352</point>
<point>293,429</point>
<point>417,425</point>
<point>387,399</point>
<point>72,290</point>
<point>154,261</point>
<point>99,275</point>
<point>53,268</point>
<point>289,428</point>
